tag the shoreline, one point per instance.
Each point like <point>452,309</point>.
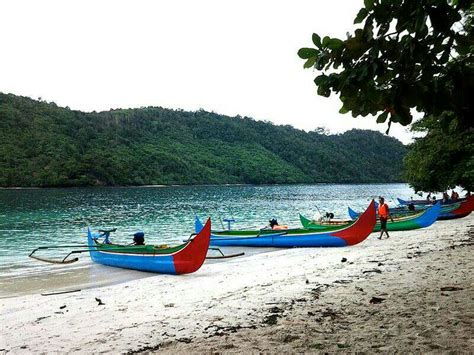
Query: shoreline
<point>51,278</point>
<point>262,303</point>
<point>193,185</point>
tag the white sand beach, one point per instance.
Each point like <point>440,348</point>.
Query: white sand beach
<point>412,292</point>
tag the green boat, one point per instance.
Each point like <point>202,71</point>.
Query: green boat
<point>418,220</point>
<point>324,225</point>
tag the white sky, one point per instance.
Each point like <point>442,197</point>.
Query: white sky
<point>235,57</point>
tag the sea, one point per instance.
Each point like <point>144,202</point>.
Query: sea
<point>30,218</point>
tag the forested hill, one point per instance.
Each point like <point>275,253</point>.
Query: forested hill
<point>42,144</point>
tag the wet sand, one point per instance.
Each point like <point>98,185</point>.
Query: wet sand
<point>411,293</point>
<point>40,277</point>
<point>59,278</point>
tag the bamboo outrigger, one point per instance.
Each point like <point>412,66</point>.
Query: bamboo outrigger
<point>185,258</point>
<point>63,260</point>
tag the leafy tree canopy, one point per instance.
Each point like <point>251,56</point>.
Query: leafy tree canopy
<point>408,55</point>
<point>442,159</point>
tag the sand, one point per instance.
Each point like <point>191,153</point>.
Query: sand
<point>413,292</point>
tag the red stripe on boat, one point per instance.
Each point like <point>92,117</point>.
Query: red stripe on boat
<point>193,255</point>
<point>465,208</point>
<point>361,229</point>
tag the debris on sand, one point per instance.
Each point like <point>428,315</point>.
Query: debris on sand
<point>451,288</point>
<point>376,300</point>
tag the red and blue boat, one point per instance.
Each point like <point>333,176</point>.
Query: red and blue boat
<point>297,237</point>
<point>459,210</point>
<point>182,259</point>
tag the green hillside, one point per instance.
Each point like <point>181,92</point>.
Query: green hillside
<point>42,144</point>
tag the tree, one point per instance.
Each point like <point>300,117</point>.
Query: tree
<point>442,159</point>
<point>409,55</point>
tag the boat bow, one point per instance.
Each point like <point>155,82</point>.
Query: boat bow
<point>361,229</point>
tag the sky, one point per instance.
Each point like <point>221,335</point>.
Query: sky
<point>235,57</point>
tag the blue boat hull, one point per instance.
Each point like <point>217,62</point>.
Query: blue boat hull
<point>426,202</point>
<point>183,259</point>
<point>285,241</point>
<point>350,235</point>
<point>163,264</point>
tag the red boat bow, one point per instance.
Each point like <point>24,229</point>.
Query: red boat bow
<point>465,208</point>
<point>361,229</point>
<point>192,256</point>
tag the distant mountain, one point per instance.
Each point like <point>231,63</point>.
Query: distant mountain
<point>42,144</point>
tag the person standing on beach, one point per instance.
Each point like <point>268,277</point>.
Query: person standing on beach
<point>384,214</point>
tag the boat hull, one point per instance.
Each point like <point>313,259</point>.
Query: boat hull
<point>422,220</point>
<point>427,202</point>
<point>455,210</point>
<point>414,221</point>
<point>183,259</point>
<point>343,236</point>
<point>279,241</point>
<point>464,209</point>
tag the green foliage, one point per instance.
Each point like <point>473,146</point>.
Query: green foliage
<point>406,55</point>
<point>392,72</point>
<point>443,159</point>
<point>45,145</point>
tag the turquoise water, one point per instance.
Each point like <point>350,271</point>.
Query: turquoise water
<point>37,217</point>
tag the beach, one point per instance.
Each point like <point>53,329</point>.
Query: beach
<point>413,292</point>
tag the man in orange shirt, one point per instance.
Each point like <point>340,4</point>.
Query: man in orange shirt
<point>384,214</point>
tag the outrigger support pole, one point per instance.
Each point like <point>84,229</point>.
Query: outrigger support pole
<point>63,261</point>
<point>223,256</point>
<point>55,261</point>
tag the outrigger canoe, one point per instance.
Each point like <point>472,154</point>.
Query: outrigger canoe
<point>414,221</point>
<point>451,211</point>
<point>462,210</point>
<point>427,202</point>
<point>182,259</point>
<point>401,211</point>
<point>298,237</point>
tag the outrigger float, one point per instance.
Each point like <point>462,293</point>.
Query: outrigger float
<point>181,259</point>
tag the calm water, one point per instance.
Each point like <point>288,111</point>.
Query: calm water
<point>37,217</point>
